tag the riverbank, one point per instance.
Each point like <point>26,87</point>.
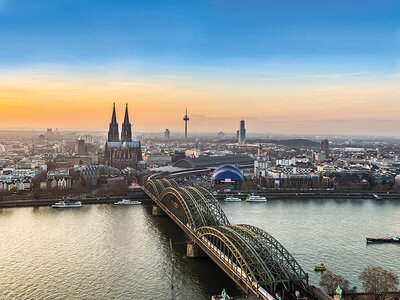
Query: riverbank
<point>134,192</point>
<point>139,195</point>
<point>49,202</point>
<point>301,195</point>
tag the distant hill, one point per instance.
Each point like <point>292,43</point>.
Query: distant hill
<point>290,142</point>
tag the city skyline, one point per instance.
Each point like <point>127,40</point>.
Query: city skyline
<point>263,61</point>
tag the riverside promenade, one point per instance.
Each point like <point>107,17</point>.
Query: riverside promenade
<point>312,194</point>
<point>134,192</point>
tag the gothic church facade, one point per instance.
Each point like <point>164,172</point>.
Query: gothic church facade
<point>122,153</point>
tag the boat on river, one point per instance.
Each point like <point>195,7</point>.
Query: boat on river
<point>321,267</point>
<point>383,240</point>
<point>256,198</point>
<point>67,203</point>
<point>128,202</point>
<point>232,199</point>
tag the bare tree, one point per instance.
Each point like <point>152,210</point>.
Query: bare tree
<point>330,281</point>
<point>247,186</point>
<point>378,281</point>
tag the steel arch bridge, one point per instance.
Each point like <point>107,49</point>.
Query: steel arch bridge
<point>248,254</point>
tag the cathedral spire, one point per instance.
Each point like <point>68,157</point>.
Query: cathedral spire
<point>126,119</point>
<point>114,117</point>
<point>126,133</point>
<point>113,135</point>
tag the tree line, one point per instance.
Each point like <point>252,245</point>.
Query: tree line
<point>375,280</point>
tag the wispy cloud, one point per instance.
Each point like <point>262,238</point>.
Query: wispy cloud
<point>395,75</point>
<point>335,75</point>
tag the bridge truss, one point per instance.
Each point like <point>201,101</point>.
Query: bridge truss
<point>258,258</point>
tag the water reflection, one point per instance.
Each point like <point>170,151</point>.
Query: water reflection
<point>106,251</point>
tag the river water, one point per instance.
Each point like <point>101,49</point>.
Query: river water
<point>113,252</point>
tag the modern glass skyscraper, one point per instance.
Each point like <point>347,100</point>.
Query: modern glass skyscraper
<point>242,133</point>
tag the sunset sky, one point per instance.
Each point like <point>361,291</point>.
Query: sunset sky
<point>303,67</point>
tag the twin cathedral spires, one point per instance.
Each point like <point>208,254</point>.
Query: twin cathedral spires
<point>126,133</point>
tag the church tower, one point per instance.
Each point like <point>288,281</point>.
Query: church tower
<point>126,132</point>
<point>113,135</point>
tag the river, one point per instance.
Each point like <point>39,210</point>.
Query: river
<point>113,252</point>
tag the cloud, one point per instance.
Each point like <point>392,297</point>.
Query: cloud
<point>395,75</point>
<point>335,75</point>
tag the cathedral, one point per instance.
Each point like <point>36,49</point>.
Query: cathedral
<point>122,153</point>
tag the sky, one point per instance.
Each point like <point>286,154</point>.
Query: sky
<point>293,67</point>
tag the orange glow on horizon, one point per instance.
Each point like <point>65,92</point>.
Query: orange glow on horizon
<point>212,106</point>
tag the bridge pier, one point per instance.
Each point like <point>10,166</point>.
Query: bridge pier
<point>194,251</point>
<point>157,211</point>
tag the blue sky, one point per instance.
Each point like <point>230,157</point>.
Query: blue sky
<point>287,62</point>
<point>351,35</point>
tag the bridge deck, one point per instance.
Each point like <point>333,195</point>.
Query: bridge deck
<point>223,262</point>
<point>251,257</point>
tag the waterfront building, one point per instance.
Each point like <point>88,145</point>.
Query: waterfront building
<point>59,178</point>
<point>227,174</point>
<point>261,167</point>
<point>125,152</point>
<point>93,173</point>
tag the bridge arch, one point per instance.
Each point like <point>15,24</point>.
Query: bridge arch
<point>219,242</point>
<point>264,276</point>
<point>156,186</point>
<point>245,246</point>
<point>195,206</point>
<point>280,274</point>
<point>152,188</point>
<point>211,210</point>
<point>214,206</point>
<point>177,204</point>
<point>282,256</point>
<point>259,258</point>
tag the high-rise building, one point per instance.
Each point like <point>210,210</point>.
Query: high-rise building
<point>80,146</point>
<point>325,147</point>
<point>113,135</point>
<point>242,133</point>
<point>126,132</point>
<point>167,134</point>
<point>186,119</point>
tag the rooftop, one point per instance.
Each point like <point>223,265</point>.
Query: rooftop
<point>215,161</point>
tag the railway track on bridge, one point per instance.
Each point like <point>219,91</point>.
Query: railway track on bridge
<point>251,257</point>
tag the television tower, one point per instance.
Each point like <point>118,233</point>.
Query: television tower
<point>186,119</point>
